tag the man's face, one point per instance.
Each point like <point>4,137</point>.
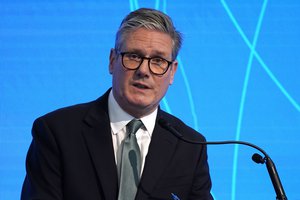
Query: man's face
<point>139,91</point>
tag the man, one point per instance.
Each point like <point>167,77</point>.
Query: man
<point>88,151</point>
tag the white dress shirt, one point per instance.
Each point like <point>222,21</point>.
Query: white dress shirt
<point>118,121</point>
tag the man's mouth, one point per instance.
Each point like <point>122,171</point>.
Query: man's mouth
<point>141,86</point>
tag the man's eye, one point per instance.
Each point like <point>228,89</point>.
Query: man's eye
<point>133,57</point>
<point>157,61</point>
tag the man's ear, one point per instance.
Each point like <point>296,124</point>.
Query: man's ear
<point>112,60</point>
<point>173,70</point>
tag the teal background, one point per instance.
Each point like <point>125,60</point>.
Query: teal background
<point>238,79</point>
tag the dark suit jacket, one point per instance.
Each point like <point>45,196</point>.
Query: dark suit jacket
<point>71,157</point>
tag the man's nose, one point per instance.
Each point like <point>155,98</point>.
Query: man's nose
<point>144,67</point>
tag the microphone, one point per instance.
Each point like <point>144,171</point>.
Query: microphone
<point>280,194</point>
<point>258,158</point>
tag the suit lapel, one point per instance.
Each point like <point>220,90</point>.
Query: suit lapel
<point>97,134</point>
<point>161,150</point>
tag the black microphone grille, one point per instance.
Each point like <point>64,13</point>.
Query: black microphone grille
<point>258,158</point>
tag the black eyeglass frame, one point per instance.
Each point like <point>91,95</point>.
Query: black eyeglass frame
<point>142,60</point>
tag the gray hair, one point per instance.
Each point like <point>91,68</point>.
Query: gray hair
<point>152,20</point>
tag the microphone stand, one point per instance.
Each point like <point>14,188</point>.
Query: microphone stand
<point>280,194</point>
<point>275,179</point>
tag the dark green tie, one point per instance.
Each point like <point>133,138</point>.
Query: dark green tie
<point>130,163</point>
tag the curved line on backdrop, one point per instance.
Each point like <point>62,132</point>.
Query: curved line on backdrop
<point>164,5</point>
<point>133,5</point>
<point>259,59</point>
<point>166,105</point>
<point>189,93</point>
<point>245,86</point>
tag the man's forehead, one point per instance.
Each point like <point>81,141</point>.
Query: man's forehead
<point>146,41</point>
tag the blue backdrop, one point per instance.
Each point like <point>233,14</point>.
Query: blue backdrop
<point>238,78</point>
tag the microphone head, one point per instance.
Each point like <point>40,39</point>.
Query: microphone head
<point>258,158</point>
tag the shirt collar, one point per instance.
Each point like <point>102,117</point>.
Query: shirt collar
<point>119,118</point>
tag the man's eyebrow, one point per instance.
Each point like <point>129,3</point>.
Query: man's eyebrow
<point>137,51</point>
<point>159,53</point>
<point>156,53</point>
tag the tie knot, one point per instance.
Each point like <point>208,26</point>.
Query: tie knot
<point>133,126</point>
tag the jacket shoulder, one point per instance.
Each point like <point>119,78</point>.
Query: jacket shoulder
<point>78,110</point>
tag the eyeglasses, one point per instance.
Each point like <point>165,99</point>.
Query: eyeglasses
<point>133,61</point>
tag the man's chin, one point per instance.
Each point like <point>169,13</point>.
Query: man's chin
<point>142,106</point>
